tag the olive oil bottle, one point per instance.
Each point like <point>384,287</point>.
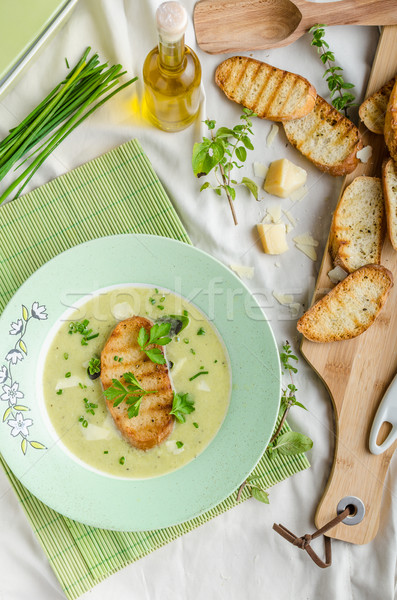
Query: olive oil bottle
<point>171,73</point>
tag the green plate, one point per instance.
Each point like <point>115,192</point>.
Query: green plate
<point>67,485</point>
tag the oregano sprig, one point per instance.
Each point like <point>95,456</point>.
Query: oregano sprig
<point>336,84</point>
<point>224,150</point>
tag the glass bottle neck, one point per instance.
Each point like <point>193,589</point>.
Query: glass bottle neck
<point>171,53</point>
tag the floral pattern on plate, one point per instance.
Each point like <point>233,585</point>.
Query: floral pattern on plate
<point>13,415</point>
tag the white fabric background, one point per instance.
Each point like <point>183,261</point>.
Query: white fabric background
<point>236,555</point>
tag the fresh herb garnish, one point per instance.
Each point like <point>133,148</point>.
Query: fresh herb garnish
<point>333,74</point>
<point>182,405</point>
<point>192,351</point>
<point>227,148</point>
<point>83,422</point>
<point>198,375</point>
<point>158,335</point>
<point>94,366</point>
<point>160,307</point>
<point>131,394</point>
<point>82,328</point>
<point>201,331</point>
<point>195,424</point>
<point>65,355</point>
<point>179,444</point>
<point>68,374</point>
<point>106,451</point>
<point>152,301</point>
<point>59,392</point>
<point>89,406</point>
<point>122,460</point>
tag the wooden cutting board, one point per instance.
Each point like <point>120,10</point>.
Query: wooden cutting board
<point>358,371</point>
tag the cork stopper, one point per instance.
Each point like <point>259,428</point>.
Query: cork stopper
<point>171,21</point>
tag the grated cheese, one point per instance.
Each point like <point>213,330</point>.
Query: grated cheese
<point>274,213</point>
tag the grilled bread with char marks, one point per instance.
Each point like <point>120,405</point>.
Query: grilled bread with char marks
<point>154,423</point>
<point>373,110</point>
<point>270,92</point>
<point>349,308</point>
<point>327,138</point>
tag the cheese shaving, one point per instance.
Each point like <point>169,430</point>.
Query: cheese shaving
<point>173,448</point>
<point>294,308</point>
<point>308,250</point>
<point>337,274</point>
<point>284,299</point>
<point>260,170</point>
<point>364,154</point>
<point>272,135</point>
<point>288,227</point>
<point>299,194</point>
<point>242,271</point>
<point>274,213</point>
<point>305,240</point>
<point>290,217</point>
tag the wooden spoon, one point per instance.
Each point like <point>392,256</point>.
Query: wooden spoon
<point>242,25</point>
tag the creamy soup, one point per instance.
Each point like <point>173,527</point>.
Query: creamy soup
<point>76,405</point>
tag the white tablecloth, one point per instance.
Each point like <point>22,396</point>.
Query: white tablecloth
<point>236,555</point>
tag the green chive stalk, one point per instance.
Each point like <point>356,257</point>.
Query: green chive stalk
<point>65,107</point>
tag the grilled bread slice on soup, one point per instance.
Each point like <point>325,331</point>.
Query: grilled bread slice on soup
<point>153,424</point>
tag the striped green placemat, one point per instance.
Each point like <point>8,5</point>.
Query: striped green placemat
<point>117,193</point>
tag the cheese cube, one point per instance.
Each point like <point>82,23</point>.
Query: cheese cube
<point>283,178</point>
<point>273,237</point>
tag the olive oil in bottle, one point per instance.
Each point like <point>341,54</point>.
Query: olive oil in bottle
<point>171,73</point>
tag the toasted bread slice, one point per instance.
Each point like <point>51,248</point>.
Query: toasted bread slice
<point>391,123</point>
<point>154,423</point>
<point>389,182</point>
<point>358,225</point>
<point>349,308</point>
<point>373,110</point>
<point>326,138</point>
<point>270,92</point>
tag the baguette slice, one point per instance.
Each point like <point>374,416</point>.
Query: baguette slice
<point>373,110</point>
<point>349,308</point>
<point>358,225</point>
<point>270,92</point>
<point>391,123</point>
<point>326,138</point>
<point>389,181</point>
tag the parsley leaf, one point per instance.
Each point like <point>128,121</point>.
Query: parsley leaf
<point>158,335</point>
<point>182,405</point>
<point>131,394</point>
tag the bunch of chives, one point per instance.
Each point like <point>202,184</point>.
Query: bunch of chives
<point>65,107</point>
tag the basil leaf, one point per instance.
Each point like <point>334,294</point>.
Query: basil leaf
<point>293,442</point>
<point>260,495</point>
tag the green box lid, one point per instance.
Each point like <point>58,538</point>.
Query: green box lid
<point>22,23</point>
